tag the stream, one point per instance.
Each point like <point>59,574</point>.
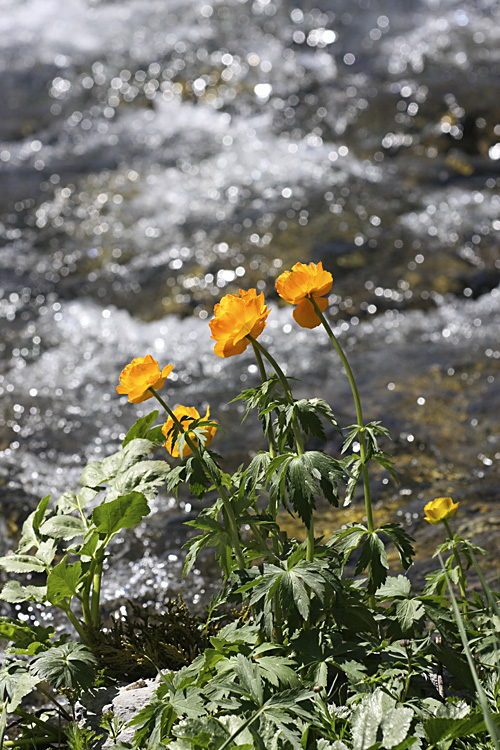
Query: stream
<point>158,154</point>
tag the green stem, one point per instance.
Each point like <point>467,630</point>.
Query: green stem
<point>233,528</point>
<point>359,414</point>
<point>310,542</point>
<point>295,426</point>
<point>71,617</point>
<point>287,390</point>
<point>96,592</point>
<point>55,702</point>
<point>263,375</point>
<point>44,725</point>
<point>461,575</point>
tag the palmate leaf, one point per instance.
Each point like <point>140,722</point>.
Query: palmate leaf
<point>308,412</point>
<point>70,665</point>
<point>379,711</point>
<point>278,670</point>
<point>401,540</point>
<point>373,557</point>
<point>256,472</point>
<point>309,474</point>
<point>347,540</point>
<point>408,612</point>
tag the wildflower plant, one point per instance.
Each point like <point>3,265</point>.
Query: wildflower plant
<point>328,651</point>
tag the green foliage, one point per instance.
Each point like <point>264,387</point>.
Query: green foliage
<point>328,647</point>
<point>70,665</point>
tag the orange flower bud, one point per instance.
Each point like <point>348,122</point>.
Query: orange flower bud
<point>142,373</point>
<point>441,509</point>
<point>299,285</point>
<point>236,317</point>
<point>186,415</point>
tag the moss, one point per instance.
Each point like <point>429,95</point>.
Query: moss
<point>143,641</point>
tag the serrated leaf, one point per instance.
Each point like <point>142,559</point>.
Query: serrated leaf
<point>30,536</point>
<point>14,593</point>
<point>69,501</point>
<point>21,564</point>
<point>141,427</point>
<point>63,581</point>
<point>68,666</point>
<point>249,677</point>
<point>144,476</point>
<point>63,527</point>
<point>395,587</point>
<point>401,540</point>
<point>409,611</point>
<point>379,711</point>
<point>440,729</point>
<point>15,684</point>
<point>124,512</point>
<point>352,482</point>
<point>374,558</point>
<point>278,671</point>
<point>21,635</point>
<point>135,451</point>
<point>93,475</point>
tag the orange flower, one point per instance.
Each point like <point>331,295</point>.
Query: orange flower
<point>299,285</point>
<point>236,317</point>
<point>186,415</point>
<point>440,509</point>
<point>142,373</point>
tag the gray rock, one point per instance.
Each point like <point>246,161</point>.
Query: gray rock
<point>123,700</point>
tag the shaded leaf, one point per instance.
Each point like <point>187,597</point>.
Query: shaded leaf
<point>68,666</point>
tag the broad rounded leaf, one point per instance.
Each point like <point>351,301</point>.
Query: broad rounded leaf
<point>123,513</point>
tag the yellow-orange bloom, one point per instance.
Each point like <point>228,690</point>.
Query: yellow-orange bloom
<point>186,415</point>
<point>440,509</point>
<point>142,373</point>
<point>236,317</point>
<point>299,285</point>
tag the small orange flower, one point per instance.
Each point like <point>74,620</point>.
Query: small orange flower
<point>439,510</point>
<point>299,285</point>
<point>142,373</point>
<point>186,415</point>
<point>236,317</point>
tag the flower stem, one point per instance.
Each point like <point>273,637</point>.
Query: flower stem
<point>233,528</point>
<point>359,415</point>
<point>461,575</point>
<point>263,375</point>
<point>287,390</point>
<point>295,426</point>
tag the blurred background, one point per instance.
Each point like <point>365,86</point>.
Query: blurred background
<point>158,154</point>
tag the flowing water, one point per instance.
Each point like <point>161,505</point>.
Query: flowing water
<point>157,154</point>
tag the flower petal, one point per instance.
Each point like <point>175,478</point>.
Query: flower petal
<point>305,314</point>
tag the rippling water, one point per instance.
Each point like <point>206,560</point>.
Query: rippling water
<point>156,154</point>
